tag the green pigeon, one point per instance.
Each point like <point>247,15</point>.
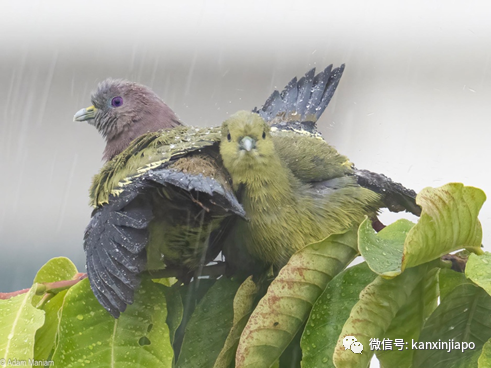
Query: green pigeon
<point>289,202</point>
<point>161,201</point>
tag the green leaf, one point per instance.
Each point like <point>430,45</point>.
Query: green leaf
<point>478,269</point>
<point>485,358</point>
<point>191,295</point>
<point>243,306</point>
<point>409,321</point>
<point>209,326</point>
<point>290,297</point>
<point>329,314</point>
<point>371,317</point>
<point>383,250</point>
<point>448,222</point>
<point>45,336</point>
<point>19,321</point>
<point>56,269</point>
<point>292,355</point>
<point>174,310</point>
<point>90,336</point>
<point>470,361</point>
<point>449,280</point>
<point>464,317</point>
<point>166,281</point>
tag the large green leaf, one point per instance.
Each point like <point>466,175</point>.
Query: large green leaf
<point>290,297</point>
<point>485,358</point>
<point>462,317</point>
<point>174,310</point>
<point>191,295</point>
<point>330,312</point>
<point>45,336</point>
<point>448,222</point>
<point>478,269</point>
<point>409,321</point>
<point>372,316</point>
<point>449,280</point>
<point>90,336</point>
<point>243,305</point>
<point>292,355</point>
<point>209,326</point>
<point>56,269</point>
<point>19,321</point>
<point>383,250</point>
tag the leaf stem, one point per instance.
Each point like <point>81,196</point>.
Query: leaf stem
<point>48,287</point>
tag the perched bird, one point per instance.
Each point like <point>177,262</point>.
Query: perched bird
<point>297,109</point>
<point>165,198</point>
<point>288,205</point>
<point>162,200</point>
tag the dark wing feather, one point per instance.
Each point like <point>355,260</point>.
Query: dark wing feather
<point>394,195</point>
<point>297,108</point>
<point>117,234</point>
<point>113,260</point>
<point>271,107</point>
<point>217,194</point>
<point>318,90</point>
<point>290,96</point>
<point>302,102</point>
<point>304,86</point>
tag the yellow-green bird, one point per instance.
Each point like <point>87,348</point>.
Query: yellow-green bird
<point>295,189</point>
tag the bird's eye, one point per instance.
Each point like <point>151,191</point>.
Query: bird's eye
<point>229,137</point>
<point>264,135</point>
<point>117,101</point>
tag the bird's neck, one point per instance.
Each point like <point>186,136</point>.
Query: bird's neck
<point>265,186</point>
<point>146,121</point>
<point>269,199</point>
<point>117,144</point>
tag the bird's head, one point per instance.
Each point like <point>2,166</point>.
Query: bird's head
<point>246,142</point>
<point>122,111</point>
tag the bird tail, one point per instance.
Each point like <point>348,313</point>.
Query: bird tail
<point>302,101</point>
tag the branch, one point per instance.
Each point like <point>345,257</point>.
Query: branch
<point>53,288</point>
<point>13,293</point>
<point>48,287</point>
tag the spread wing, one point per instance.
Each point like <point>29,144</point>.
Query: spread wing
<point>302,102</point>
<point>395,196</point>
<point>117,236</point>
<point>293,115</point>
<point>114,245</point>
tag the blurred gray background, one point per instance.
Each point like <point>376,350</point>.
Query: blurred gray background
<point>414,101</point>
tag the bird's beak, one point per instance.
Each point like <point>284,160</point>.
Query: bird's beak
<point>85,114</point>
<point>247,143</point>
